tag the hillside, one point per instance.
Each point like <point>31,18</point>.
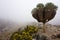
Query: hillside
<point>6,28</point>
<point>52,31</point>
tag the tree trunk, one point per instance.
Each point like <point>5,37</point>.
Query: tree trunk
<point>44,28</point>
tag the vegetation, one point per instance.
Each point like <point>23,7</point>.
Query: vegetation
<point>44,13</point>
<point>26,34</point>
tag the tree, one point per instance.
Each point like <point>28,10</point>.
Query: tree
<point>44,13</point>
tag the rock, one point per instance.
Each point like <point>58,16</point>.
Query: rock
<point>53,36</point>
<point>37,37</point>
<point>43,37</point>
<point>58,35</point>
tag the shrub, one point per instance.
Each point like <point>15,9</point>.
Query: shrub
<point>26,34</point>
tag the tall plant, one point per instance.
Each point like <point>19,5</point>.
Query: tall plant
<point>44,13</point>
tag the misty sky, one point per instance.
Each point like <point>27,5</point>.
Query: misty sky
<point>20,10</point>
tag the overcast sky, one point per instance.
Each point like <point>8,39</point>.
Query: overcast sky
<point>20,10</point>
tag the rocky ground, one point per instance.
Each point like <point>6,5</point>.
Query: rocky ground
<point>51,31</point>
<point>7,28</point>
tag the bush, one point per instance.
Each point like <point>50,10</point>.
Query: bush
<point>26,34</point>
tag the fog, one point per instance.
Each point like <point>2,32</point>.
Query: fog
<point>20,10</point>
